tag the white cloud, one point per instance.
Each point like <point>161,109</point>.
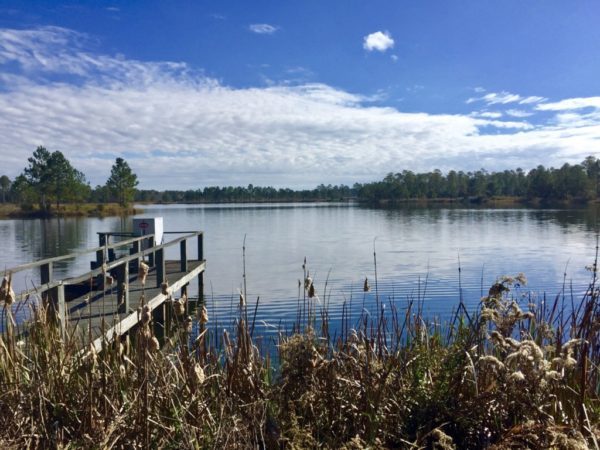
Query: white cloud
<point>180,129</point>
<point>518,113</point>
<point>494,98</point>
<point>571,103</point>
<point>532,99</point>
<point>380,41</point>
<point>262,28</point>
<point>488,114</point>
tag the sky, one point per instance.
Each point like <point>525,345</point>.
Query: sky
<point>295,94</point>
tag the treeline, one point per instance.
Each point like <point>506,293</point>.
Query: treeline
<point>569,182</point>
<point>230,194</point>
<point>50,180</point>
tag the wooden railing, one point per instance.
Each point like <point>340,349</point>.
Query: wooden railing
<point>53,291</point>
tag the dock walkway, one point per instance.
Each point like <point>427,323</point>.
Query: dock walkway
<point>105,301</point>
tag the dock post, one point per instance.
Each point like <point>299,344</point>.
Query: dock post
<point>46,277</point>
<point>134,265</point>
<point>183,256</point>
<point>201,275</point>
<point>122,273</point>
<point>102,242</point>
<point>160,266</point>
<point>60,310</point>
<point>151,251</point>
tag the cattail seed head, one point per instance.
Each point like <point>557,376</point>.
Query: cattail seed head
<point>179,307</point>
<point>145,316</point>
<point>143,271</point>
<point>203,315</point>
<point>164,288</point>
<point>366,287</point>
<point>153,344</point>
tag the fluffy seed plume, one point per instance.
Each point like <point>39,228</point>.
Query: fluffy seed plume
<point>143,271</point>
<point>7,295</point>
<point>203,315</point>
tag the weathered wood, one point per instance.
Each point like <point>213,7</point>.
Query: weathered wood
<point>183,255</point>
<point>131,320</point>
<point>160,266</point>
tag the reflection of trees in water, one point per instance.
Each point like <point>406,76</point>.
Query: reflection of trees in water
<point>586,217</point>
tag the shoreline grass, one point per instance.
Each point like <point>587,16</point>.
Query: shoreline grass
<point>502,378</point>
<point>13,211</point>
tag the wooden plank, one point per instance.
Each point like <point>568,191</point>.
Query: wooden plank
<point>132,319</point>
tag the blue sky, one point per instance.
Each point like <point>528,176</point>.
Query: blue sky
<point>199,93</point>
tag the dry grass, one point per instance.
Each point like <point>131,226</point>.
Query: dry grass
<point>506,378</point>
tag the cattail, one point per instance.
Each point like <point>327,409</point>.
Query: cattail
<point>517,376</point>
<point>7,295</point>
<point>122,371</point>
<point>307,282</point>
<point>366,287</point>
<point>242,300</point>
<point>187,325</point>
<point>153,344</point>
<point>143,271</point>
<point>199,372</point>
<point>145,317</point>
<point>311,291</point>
<point>108,280</point>
<point>553,375</point>
<point>203,315</point>
<point>164,286</point>
<point>179,307</point>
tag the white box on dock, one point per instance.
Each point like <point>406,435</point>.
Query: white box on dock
<point>149,225</point>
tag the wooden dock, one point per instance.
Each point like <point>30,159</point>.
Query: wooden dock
<point>105,302</point>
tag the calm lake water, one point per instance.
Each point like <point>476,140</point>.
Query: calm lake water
<point>418,252</point>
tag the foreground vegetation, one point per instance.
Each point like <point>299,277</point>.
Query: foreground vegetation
<point>506,377</point>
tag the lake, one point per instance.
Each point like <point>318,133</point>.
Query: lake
<point>418,252</point>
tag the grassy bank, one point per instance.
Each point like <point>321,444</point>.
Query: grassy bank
<point>503,378</point>
<point>9,210</point>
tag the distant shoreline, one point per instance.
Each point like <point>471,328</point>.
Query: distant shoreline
<point>12,211</point>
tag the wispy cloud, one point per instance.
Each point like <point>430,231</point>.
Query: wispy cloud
<point>177,126</point>
<point>571,103</point>
<point>487,114</point>
<point>380,41</point>
<point>262,28</point>
<point>494,98</point>
<point>518,113</point>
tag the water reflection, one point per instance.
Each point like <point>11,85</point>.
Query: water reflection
<point>412,244</point>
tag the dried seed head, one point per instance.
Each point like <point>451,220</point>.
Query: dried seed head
<point>517,376</point>
<point>179,307</point>
<point>203,315</point>
<point>153,344</point>
<point>7,295</point>
<point>553,375</point>
<point>188,324</point>
<point>366,287</point>
<point>122,371</point>
<point>199,372</point>
<point>311,290</point>
<point>145,316</point>
<point>307,282</point>
<point>143,271</point>
<point>242,300</point>
<point>164,287</point>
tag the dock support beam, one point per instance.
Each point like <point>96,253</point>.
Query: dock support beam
<point>122,274</point>
<point>159,256</point>
<point>201,275</point>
